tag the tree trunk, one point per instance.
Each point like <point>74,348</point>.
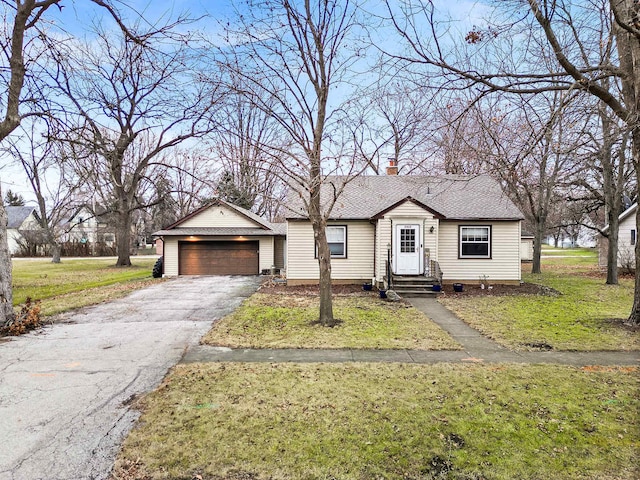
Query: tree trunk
<point>634,316</point>
<point>6,293</point>
<point>324,263</point>
<point>123,238</point>
<point>538,235</point>
<point>612,247</point>
<point>629,53</point>
<point>56,250</point>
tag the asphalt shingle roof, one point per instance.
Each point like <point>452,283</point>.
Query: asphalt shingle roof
<point>17,215</point>
<point>216,231</point>
<point>459,197</point>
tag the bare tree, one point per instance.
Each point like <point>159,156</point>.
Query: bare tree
<point>191,175</point>
<point>132,100</point>
<point>292,57</point>
<point>605,178</point>
<point>21,24</point>
<point>51,178</point>
<point>247,176</point>
<point>393,124</point>
<point>563,51</point>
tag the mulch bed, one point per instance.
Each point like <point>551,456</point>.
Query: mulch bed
<point>311,290</point>
<point>447,290</point>
<point>470,290</point>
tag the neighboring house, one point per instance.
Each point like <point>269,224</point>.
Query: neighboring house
<point>526,247</point>
<point>222,239</point>
<point>627,238</point>
<point>463,226</point>
<point>85,226</point>
<point>20,221</point>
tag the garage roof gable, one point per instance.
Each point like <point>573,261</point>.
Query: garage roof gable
<point>220,213</point>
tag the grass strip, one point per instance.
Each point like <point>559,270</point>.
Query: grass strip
<point>286,321</point>
<point>76,283</point>
<point>587,316</point>
<point>391,421</point>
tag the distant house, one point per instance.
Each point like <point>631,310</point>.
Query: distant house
<point>526,247</point>
<point>87,226</point>
<point>627,238</point>
<point>21,222</point>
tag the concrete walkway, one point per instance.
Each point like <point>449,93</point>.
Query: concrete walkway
<point>476,348</point>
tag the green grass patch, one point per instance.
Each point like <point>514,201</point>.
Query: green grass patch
<point>286,321</point>
<point>568,252</point>
<point>391,421</point>
<point>587,316</point>
<point>76,283</point>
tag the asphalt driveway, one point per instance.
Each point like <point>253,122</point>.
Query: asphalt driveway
<point>64,391</point>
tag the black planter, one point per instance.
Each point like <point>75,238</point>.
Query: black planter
<point>458,287</point>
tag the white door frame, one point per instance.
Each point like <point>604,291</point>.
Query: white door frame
<point>407,262</point>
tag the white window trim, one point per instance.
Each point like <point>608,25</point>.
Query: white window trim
<point>488,242</point>
<point>344,228</point>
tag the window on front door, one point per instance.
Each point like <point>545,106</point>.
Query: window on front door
<point>475,242</point>
<point>407,240</point>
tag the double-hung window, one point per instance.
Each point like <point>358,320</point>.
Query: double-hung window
<point>337,239</point>
<point>475,242</point>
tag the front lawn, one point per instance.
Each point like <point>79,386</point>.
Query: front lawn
<point>286,321</point>
<point>391,421</point>
<point>587,316</point>
<point>76,283</point>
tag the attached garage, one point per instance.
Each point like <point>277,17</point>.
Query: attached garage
<point>219,258</point>
<point>222,239</point>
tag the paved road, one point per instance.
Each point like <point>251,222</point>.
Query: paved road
<point>64,391</point>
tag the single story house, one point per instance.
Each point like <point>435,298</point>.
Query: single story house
<point>20,221</point>
<point>222,239</point>
<point>627,238</point>
<point>463,227</point>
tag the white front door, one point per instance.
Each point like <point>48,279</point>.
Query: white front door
<point>408,249</point>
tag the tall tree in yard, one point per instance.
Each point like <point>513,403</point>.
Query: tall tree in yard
<point>567,35</point>
<point>52,180</point>
<point>132,100</point>
<point>292,56</point>
<point>21,24</point>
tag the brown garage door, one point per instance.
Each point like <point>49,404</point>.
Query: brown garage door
<point>218,258</point>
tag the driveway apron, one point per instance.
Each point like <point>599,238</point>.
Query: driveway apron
<point>65,391</point>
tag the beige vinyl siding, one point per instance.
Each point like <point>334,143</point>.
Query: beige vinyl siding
<point>410,213</point>
<point>505,252</point>
<point>266,255</point>
<point>301,261</point>
<point>383,232</point>
<point>626,251</point>
<point>219,216</point>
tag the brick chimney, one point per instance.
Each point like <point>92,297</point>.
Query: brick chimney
<point>392,169</point>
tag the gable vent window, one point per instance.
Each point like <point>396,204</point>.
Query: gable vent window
<point>475,242</point>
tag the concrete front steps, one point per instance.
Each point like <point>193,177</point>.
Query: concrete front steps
<point>413,285</point>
